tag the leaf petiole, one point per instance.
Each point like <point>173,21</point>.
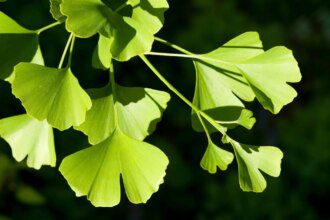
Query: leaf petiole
<point>47,27</point>
<point>65,51</point>
<point>189,56</point>
<point>176,47</point>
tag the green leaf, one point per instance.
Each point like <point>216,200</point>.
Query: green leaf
<point>17,45</point>
<point>29,138</point>
<point>220,84</point>
<point>55,10</point>
<point>95,172</point>
<point>216,157</point>
<point>130,36</point>
<point>102,55</point>
<point>268,75</point>
<point>138,111</point>
<point>52,94</point>
<point>252,159</point>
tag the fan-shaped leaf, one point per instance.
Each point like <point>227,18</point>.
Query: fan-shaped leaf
<point>29,138</point>
<point>251,159</point>
<point>17,45</point>
<point>138,111</point>
<point>216,157</point>
<point>52,94</point>
<point>219,82</point>
<point>268,75</point>
<point>95,172</point>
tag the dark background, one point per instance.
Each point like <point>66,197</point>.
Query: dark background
<point>301,130</point>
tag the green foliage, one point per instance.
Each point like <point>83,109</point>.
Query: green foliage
<point>137,111</point>
<point>117,119</point>
<point>36,137</point>
<point>64,103</point>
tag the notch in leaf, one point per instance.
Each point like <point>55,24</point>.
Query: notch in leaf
<point>29,138</point>
<point>268,74</point>
<point>138,111</point>
<point>216,157</point>
<point>51,94</point>
<point>95,172</point>
<point>252,159</point>
<point>17,45</point>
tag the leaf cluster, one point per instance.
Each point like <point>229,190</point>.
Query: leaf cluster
<point>117,119</point>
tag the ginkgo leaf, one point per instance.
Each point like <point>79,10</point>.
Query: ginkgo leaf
<point>220,84</point>
<point>95,172</point>
<point>216,157</point>
<point>268,74</point>
<point>55,10</point>
<point>130,35</point>
<point>29,138</point>
<point>17,45</point>
<point>252,159</point>
<point>52,94</point>
<point>138,111</point>
<point>102,55</point>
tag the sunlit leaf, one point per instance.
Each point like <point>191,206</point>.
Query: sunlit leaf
<point>130,36</point>
<point>268,75</point>
<point>95,172</point>
<point>138,111</point>
<point>56,11</point>
<point>29,138</point>
<point>52,94</point>
<point>252,159</point>
<point>17,45</point>
<point>102,55</point>
<point>220,84</point>
<point>216,157</point>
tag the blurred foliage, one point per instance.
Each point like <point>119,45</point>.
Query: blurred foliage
<point>301,130</point>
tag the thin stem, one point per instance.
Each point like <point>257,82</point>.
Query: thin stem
<point>175,91</point>
<point>39,31</point>
<point>167,83</point>
<point>189,56</point>
<point>204,127</point>
<point>174,46</point>
<point>65,51</point>
<point>71,51</point>
<point>121,7</point>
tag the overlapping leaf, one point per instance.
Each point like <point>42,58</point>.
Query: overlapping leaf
<point>95,171</point>
<point>29,138</point>
<point>216,157</point>
<point>138,111</point>
<point>17,45</point>
<point>268,74</point>
<point>252,159</point>
<point>128,36</point>
<point>219,82</point>
<point>102,55</point>
<point>55,10</point>
<point>52,94</point>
